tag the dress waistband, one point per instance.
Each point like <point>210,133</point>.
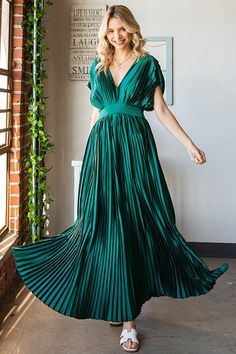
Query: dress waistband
<point>121,108</point>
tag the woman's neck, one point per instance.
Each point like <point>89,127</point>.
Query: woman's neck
<point>122,54</point>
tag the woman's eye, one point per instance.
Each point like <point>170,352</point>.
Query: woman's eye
<point>109,31</point>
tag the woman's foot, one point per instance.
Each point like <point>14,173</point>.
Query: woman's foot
<point>129,343</point>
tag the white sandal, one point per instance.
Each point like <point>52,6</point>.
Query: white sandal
<point>112,323</point>
<point>125,335</point>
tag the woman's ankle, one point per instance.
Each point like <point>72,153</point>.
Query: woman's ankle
<point>129,324</point>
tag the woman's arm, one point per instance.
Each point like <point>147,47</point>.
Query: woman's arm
<point>94,117</point>
<point>169,121</point>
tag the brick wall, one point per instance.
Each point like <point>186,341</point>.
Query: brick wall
<point>18,184</point>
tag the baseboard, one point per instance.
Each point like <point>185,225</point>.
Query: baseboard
<point>213,249</point>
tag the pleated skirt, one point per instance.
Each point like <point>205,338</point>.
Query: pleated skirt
<point>124,247</point>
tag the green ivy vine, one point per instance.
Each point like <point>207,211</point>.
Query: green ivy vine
<point>38,197</point>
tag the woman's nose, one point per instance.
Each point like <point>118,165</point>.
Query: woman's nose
<point>117,35</point>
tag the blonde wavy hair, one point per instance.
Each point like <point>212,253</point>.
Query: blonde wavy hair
<point>105,50</point>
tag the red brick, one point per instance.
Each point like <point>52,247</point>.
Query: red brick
<point>18,53</point>
<point>17,31</point>
<point>21,68</point>
<point>17,42</point>
<point>16,2</point>
<point>18,9</point>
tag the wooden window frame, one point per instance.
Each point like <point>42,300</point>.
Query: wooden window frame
<point>5,148</point>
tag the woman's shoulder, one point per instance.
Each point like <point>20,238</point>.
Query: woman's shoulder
<point>150,61</point>
<point>93,64</point>
<point>151,58</point>
<point>96,59</point>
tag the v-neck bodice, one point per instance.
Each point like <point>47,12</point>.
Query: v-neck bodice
<point>127,72</point>
<point>136,87</point>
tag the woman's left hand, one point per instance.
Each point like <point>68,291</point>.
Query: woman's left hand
<point>196,155</point>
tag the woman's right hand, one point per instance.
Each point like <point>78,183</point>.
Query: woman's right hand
<point>196,154</point>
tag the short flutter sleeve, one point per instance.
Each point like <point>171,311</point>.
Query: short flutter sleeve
<point>153,79</point>
<point>156,75</point>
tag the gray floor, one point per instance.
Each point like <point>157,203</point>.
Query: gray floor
<point>204,324</point>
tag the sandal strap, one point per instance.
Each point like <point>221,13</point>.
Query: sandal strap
<point>115,322</point>
<point>125,335</point>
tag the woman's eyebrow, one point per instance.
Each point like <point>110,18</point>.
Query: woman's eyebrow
<point>113,28</point>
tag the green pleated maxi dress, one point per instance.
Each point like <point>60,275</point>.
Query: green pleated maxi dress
<point>124,247</point>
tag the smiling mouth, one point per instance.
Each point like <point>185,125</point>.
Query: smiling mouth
<point>119,42</point>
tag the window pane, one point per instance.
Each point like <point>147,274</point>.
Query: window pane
<point>3,100</point>
<point>3,81</point>
<point>3,184</point>
<point>4,44</point>
<point>3,120</point>
<point>2,140</point>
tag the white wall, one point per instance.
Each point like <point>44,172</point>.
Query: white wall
<point>204,56</point>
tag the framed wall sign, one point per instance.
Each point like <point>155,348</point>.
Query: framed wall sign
<point>85,21</point>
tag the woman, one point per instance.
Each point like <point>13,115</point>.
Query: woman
<point>124,246</point>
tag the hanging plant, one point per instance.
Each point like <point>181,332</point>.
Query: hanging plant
<point>38,197</point>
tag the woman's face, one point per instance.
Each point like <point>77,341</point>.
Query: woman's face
<point>117,34</point>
